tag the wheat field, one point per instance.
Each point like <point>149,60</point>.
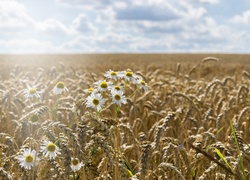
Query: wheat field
<point>188,119</point>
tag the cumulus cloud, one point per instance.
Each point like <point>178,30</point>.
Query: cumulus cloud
<point>120,26</point>
<point>242,18</point>
<point>89,4</point>
<point>150,17</point>
<point>204,2</point>
<point>20,32</point>
<point>13,16</point>
<point>53,27</point>
<point>116,43</point>
<point>210,1</point>
<point>27,46</point>
<point>83,24</point>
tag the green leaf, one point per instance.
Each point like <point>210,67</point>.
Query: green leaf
<point>238,148</point>
<point>222,157</point>
<point>130,171</point>
<point>117,108</point>
<point>220,130</point>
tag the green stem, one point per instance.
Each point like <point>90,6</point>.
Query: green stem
<point>74,176</point>
<point>117,108</point>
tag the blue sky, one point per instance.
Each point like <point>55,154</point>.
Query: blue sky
<point>124,26</point>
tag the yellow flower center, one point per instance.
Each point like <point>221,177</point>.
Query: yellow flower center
<point>51,147</point>
<point>95,101</point>
<point>113,73</point>
<point>29,158</point>
<point>117,97</point>
<point>60,85</point>
<point>117,88</point>
<point>74,162</point>
<point>103,85</point>
<point>143,83</point>
<point>90,89</point>
<point>34,118</point>
<point>32,90</point>
<point>129,73</point>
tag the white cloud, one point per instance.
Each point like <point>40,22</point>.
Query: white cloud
<point>20,32</point>
<point>83,24</point>
<point>121,26</point>
<point>27,46</point>
<point>77,45</point>
<point>13,16</point>
<point>210,1</point>
<point>204,2</point>
<point>146,17</point>
<point>53,27</point>
<point>86,4</point>
<point>243,18</point>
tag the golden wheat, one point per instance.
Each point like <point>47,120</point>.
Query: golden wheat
<point>170,131</point>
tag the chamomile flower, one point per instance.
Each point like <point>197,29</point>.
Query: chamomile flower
<point>31,92</point>
<point>118,97</point>
<point>28,158</point>
<point>59,88</point>
<point>111,74</point>
<point>129,76</point>
<point>89,90</point>
<point>75,165</point>
<point>102,85</point>
<point>95,101</point>
<point>116,88</point>
<point>141,83</point>
<point>49,149</point>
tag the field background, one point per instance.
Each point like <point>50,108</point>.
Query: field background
<point>168,132</point>
<point>228,63</point>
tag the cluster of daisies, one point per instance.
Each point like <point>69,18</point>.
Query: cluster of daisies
<point>32,92</point>
<point>50,150</point>
<point>116,92</point>
<point>96,99</point>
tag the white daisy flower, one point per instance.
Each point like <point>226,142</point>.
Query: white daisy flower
<point>28,158</point>
<point>129,76</point>
<point>75,164</point>
<point>111,74</point>
<point>142,84</point>
<point>31,92</point>
<point>49,149</point>
<point>95,101</point>
<point>116,88</point>
<point>102,85</point>
<point>118,97</point>
<point>89,90</point>
<point>59,88</point>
